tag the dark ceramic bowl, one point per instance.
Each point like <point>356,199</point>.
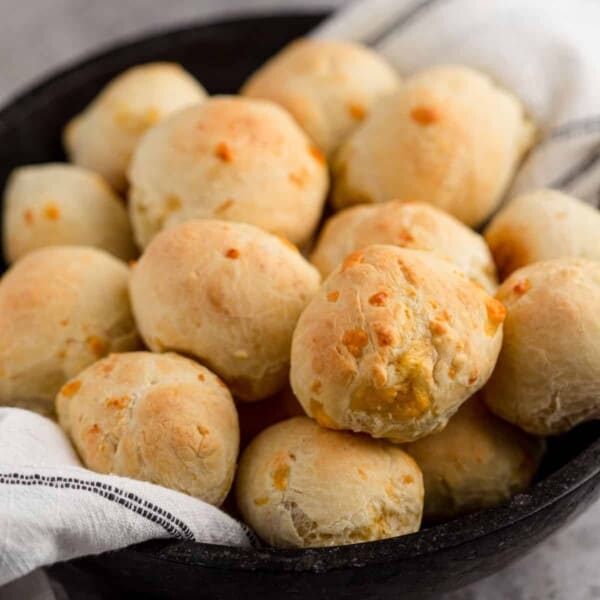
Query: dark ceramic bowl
<point>436,559</point>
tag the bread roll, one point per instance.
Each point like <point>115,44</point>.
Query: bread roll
<point>547,379</point>
<point>61,309</point>
<point>60,205</point>
<point>227,294</point>
<point>414,225</point>
<point>104,136</point>
<point>229,158</point>
<point>543,225</point>
<point>328,86</point>
<point>449,137</point>
<point>299,485</point>
<point>157,417</point>
<point>393,343</point>
<point>476,462</point>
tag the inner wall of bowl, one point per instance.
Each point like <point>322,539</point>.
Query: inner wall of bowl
<point>221,56</point>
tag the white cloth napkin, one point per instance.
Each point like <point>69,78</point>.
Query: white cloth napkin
<point>52,509</point>
<point>546,51</point>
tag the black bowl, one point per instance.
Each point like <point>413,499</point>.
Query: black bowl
<point>436,559</point>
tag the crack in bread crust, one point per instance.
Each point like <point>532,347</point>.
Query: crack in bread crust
<point>397,369</point>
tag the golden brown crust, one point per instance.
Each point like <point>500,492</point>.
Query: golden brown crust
<point>433,141</point>
<point>61,309</point>
<point>328,86</point>
<point>396,339</point>
<point>59,205</point>
<point>413,225</point>
<point>160,418</point>
<point>229,158</point>
<point>546,380</point>
<point>476,462</point>
<point>543,225</point>
<point>104,136</point>
<point>299,485</point>
<point>228,294</point>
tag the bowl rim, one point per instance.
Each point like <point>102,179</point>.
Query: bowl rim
<point>101,56</point>
<point>575,473</point>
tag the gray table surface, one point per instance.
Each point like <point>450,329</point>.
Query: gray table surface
<point>39,35</point>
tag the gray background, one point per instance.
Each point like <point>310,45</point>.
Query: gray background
<point>37,36</point>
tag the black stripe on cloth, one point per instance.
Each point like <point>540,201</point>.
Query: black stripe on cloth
<point>401,20</point>
<point>589,162</point>
<point>171,524</point>
<point>254,541</point>
<point>577,127</point>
